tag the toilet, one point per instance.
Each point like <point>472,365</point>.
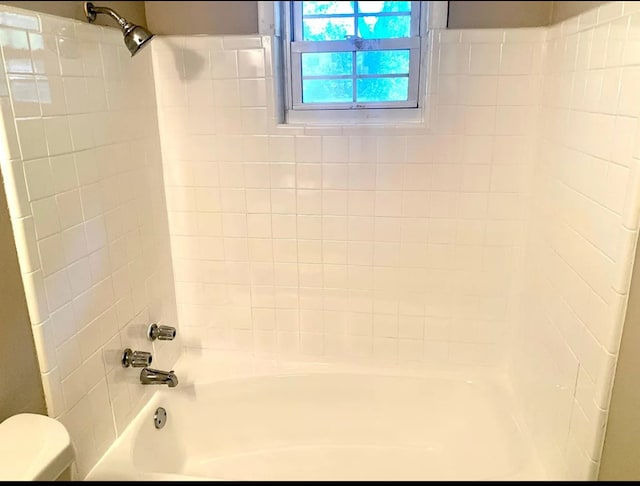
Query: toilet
<point>34,448</point>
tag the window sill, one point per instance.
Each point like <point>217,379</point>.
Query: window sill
<point>412,117</point>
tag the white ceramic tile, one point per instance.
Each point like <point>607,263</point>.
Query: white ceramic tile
<point>484,59</point>
<point>45,349</point>
<point>52,254</point>
<point>69,208</point>
<point>34,291</point>
<point>64,173</point>
<point>57,289</point>
<point>251,63</point>
<point>516,59</point>
<point>51,384</point>
<point>45,217</point>
<point>51,95</point>
<point>58,135</point>
<point>81,132</point>
<point>44,53</point>
<point>15,48</point>
<point>252,92</point>
<point>69,53</point>
<point>76,94</point>
<point>24,95</point>
<point>241,42</point>
<point>32,138</point>
<point>224,64</point>
<point>64,324</point>
<point>79,276</point>
<point>38,176</point>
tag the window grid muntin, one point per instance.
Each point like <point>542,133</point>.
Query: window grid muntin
<point>353,45</point>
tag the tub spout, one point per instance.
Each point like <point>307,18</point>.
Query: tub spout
<point>150,376</point>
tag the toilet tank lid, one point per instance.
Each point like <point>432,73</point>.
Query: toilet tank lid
<point>33,447</point>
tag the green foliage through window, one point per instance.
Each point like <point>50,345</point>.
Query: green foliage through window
<point>378,76</point>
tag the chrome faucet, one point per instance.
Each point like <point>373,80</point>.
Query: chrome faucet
<point>150,376</point>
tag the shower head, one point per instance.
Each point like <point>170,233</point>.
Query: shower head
<point>135,37</point>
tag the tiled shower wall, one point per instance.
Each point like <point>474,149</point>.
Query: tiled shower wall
<point>582,236</point>
<point>81,165</point>
<point>397,244</point>
<point>402,244</point>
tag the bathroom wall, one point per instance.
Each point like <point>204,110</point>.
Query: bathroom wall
<point>82,172</point>
<point>188,18</point>
<point>393,243</point>
<point>483,14</point>
<point>133,11</point>
<point>566,9</point>
<point>20,385</point>
<point>582,236</point>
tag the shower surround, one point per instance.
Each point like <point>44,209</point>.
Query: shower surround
<point>82,168</point>
<point>498,234</point>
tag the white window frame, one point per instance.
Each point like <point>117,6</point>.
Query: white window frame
<point>295,46</point>
<point>273,19</point>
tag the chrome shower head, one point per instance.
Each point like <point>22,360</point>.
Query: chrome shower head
<point>135,37</point>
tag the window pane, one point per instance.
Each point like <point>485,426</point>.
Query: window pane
<point>319,8</point>
<point>326,63</point>
<point>377,7</point>
<point>327,90</point>
<point>375,27</point>
<point>383,89</point>
<point>327,29</point>
<point>383,62</point>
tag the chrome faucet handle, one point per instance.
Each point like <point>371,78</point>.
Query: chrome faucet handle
<point>163,333</point>
<point>137,359</point>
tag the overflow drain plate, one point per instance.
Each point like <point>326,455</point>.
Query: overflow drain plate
<point>160,418</point>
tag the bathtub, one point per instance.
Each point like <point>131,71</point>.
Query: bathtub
<point>324,422</point>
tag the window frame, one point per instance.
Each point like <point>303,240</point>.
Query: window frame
<point>295,46</point>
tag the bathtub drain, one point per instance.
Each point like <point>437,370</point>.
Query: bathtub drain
<point>160,418</point>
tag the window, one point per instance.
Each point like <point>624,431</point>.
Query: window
<point>353,55</point>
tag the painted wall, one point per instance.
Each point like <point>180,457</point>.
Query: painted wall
<point>566,9</point>
<point>82,169</point>
<point>131,10</point>
<point>20,385</point>
<point>202,17</point>
<point>482,14</point>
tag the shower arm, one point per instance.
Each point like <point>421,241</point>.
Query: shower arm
<point>91,12</point>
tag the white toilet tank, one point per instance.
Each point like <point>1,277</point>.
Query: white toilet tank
<point>34,448</point>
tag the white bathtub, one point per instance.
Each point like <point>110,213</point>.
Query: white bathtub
<point>320,422</point>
